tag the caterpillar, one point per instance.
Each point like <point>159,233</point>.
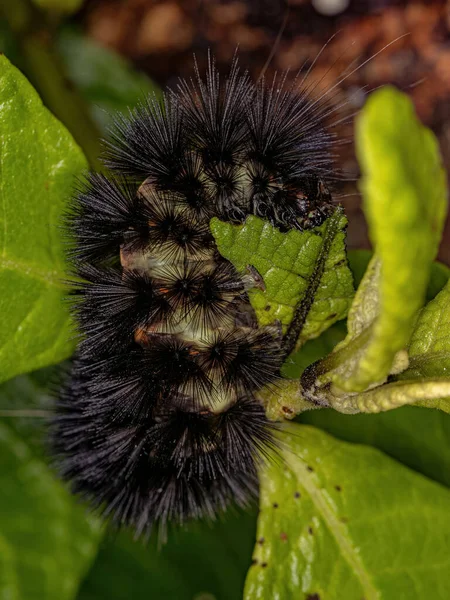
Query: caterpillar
<point>159,419</point>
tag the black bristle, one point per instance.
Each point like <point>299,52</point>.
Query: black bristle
<point>179,466</point>
<point>175,365</point>
<point>257,361</point>
<point>114,306</point>
<point>287,133</point>
<point>149,142</point>
<point>100,215</point>
<point>215,115</point>
<point>206,296</point>
<point>159,419</point>
<point>174,228</point>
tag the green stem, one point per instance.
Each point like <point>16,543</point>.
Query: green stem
<point>46,72</point>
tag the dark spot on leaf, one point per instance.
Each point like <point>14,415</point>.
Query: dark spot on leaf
<point>283,536</point>
<point>254,561</point>
<point>275,505</point>
<point>310,530</point>
<point>268,307</point>
<point>264,565</point>
<point>337,488</point>
<point>261,541</point>
<point>287,410</point>
<point>313,597</point>
<point>297,495</point>
<point>310,469</point>
<point>344,520</point>
<point>332,316</point>
<point>340,263</point>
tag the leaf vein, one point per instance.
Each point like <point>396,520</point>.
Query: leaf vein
<point>336,528</point>
<point>49,278</point>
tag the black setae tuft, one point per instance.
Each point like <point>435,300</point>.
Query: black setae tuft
<point>160,419</point>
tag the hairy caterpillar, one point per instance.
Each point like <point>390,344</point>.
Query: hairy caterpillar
<point>160,419</point>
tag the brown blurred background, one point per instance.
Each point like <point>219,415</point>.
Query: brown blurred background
<point>160,37</point>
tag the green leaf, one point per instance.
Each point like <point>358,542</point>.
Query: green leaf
<point>25,405</point>
<point>429,350</point>
<point>417,437</point>
<point>339,520</point>
<point>39,161</point>
<point>306,272</point>
<point>62,6</point>
<point>203,562</point>
<point>106,80</point>
<point>405,200</point>
<point>47,541</point>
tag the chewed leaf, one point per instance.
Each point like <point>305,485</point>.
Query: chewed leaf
<point>405,200</point>
<point>39,161</point>
<point>333,521</point>
<point>305,271</point>
<point>47,541</point>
